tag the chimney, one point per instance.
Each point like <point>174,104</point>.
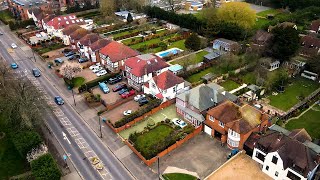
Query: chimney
<point>215,96</point>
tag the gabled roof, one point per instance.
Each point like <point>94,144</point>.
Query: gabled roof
<point>262,36</point>
<point>70,29</point>
<point>78,34</point>
<point>225,112</point>
<point>315,25</point>
<point>117,51</point>
<point>89,39</point>
<point>48,17</point>
<point>37,12</point>
<point>167,80</point>
<point>99,44</point>
<point>62,22</point>
<point>145,64</point>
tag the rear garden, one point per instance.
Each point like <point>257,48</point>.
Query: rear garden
<point>194,58</point>
<point>229,85</point>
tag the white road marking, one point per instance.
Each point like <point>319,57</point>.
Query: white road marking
<point>65,137</point>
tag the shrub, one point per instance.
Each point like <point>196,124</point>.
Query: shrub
<point>24,141</point>
<point>45,167</point>
<point>95,82</point>
<point>91,98</point>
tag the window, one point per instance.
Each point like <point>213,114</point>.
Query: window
<point>221,124</point>
<point>211,118</point>
<point>274,160</point>
<point>267,168</point>
<point>154,86</point>
<point>174,89</point>
<point>164,91</point>
<point>293,176</point>
<point>260,156</point>
<point>276,174</point>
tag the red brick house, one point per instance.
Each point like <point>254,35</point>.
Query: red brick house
<point>76,36</point>
<point>84,43</point>
<point>310,46</point>
<point>315,26</point>
<point>95,47</point>
<point>233,124</point>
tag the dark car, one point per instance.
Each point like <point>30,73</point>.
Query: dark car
<point>58,100</point>
<point>74,56</point>
<point>69,53</point>
<point>123,91</point>
<point>83,59</point>
<point>58,61</point>
<point>66,50</point>
<point>143,101</point>
<point>118,87</point>
<point>36,72</point>
<point>116,79</point>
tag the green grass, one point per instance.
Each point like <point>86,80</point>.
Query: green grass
<point>266,12</point>
<point>249,78</point>
<point>229,85</point>
<point>261,22</point>
<point>198,58</point>
<point>42,50</point>
<point>125,33</point>
<point>11,163</point>
<point>78,81</point>
<point>288,99</point>
<point>178,44</point>
<point>309,121</point>
<point>6,15</point>
<point>147,141</point>
<point>196,77</point>
<point>178,176</point>
<point>152,41</point>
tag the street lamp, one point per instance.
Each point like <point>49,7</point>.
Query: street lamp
<point>74,101</point>
<point>159,167</point>
<point>100,127</point>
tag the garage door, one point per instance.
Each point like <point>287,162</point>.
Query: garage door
<point>207,130</point>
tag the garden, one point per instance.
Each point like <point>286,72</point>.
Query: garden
<point>192,58</point>
<point>178,176</point>
<point>48,46</point>
<point>229,85</point>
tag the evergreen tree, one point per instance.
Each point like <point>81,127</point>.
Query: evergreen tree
<point>193,42</point>
<point>129,18</point>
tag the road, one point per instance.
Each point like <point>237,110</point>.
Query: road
<point>77,139</point>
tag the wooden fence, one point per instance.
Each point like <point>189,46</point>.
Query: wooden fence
<point>177,144</point>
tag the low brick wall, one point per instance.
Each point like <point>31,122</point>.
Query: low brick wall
<point>129,124</point>
<point>149,162</point>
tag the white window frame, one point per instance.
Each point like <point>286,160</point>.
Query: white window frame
<point>221,124</point>
<point>211,118</point>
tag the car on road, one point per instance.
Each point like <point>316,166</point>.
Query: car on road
<point>118,87</point>
<point>104,88</point>
<point>139,96</point>
<point>115,80</point>
<point>101,73</point>
<point>179,122</point>
<point>14,46</point>
<point>95,70</point>
<point>94,66</point>
<point>58,100</point>
<point>143,101</point>
<point>74,56</point>
<point>127,112</point>
<point>69,53</point>
<point>123,91</point>
<point>83,59</point>
<point>58,61</point>
<point>14,65</point>
<point>128,94</point>
<point>36,72</point>
<point>1,33</point>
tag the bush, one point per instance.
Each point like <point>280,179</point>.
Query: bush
<point>91,98</point>
<point>20,24</point>
<point>44,168</point>
<point>24,141</point>
<point>95,82</point>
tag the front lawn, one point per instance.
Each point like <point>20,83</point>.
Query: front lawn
<point>198,58</point>
<point>11,163</point>
<point>299,87</point>
<point>309,121</point>
<point>261,23</point>
<point>6,16</point>
<point>50,47</point>
<point>229,85</point>
<point>178,176</point>
<point>77,81</point>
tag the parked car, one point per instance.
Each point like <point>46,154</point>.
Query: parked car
<point>95,70</point>
<point>66,50</point>
<point>69,53</point>
<point>143,101</point>
<point>127,112</point>
<point>14,46</point>
<point>58,61</point>
<point>94,66</point>
<point>30,26</point>
<point>118,87</point>
<point>123,91</point>
<point>101,73</point>
<point>36,72</point>
<point>14,65</point>
<point>1,33</point>
<point>139,96</point>
<point>128,94</point>
<point>115,80</point>
<point>104,88</point>
<point>179,122</point>
<point>74,56</point>
<point>58,100</point>
<point>83,59</point>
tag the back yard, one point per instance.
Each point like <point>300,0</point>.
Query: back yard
<point>299,87</point>
<point>198,57</point>
<point>229,85</point>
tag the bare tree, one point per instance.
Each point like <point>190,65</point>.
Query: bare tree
<point>70,69</point>
<point>4,71</point>
<point>173,4</point>
<point>107,7</point>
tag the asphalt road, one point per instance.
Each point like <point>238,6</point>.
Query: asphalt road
<point>77,145</point>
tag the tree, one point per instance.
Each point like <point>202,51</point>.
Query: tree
<point>237,12</point>
<point>193,42</point>
<point>24,141</point>
<point>173,4</point>
<point>70,70</point>
<point>45,167</point>
<point>313,64</point>
<point>4,72</point>
<point>107,7</point>
<point>285,42</point>
<point>226,30</point>
<point>129,18</point>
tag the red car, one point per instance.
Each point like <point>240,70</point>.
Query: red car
<point>118,87</point>
<point>128,94</point>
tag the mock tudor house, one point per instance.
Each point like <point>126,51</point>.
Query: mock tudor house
<point>310,46</point>
<point>165,86</point>
<point>95,47</point>
<point>46,19</point>
<point>287,155</point>
<point>37,15</point>
<point>193,104</point>
<point>76,36</point>
<point>115,54</point>
<point>315,26</point>
<point>67,31</point>
<point>233,124</point>
<point>84,43</point>
<point>142,68</point>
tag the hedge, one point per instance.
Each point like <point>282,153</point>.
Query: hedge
<point>153,103</point>
<point>45,168</point>
<point>95,82</point>
<point>24,141</point>
<point>20,24</point>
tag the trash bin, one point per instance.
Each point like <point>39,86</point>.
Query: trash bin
<point>49,66</point>
<point>69,87</point>
<point>104,120</point>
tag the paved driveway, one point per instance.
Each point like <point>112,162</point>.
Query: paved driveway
<point>109,98</point>
<point>87,74</point>
<point>117,113</point>
<point>200,154</point>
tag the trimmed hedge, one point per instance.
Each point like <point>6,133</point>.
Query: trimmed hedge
<point>95,82</point>
<point>153,103</point>
<point>24,141</point>
<point>20,24</point>
<point>45,168</point>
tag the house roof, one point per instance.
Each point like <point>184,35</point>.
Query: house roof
<point>48,17</point>
<point>62,22</point>
<point>117,51</point>
<point>145,64</point>
<point>175,68</point>
<point>78,34</point>
<point>37,12</point>
<point>310,45</point>
<point>89,39</point>
<point>224,41</point>
<point>99,44</point>
<point>315,25</point>
<point>261,37</point>
<point>70,29</point>
<point>225,112</point>
<point>167,80</point>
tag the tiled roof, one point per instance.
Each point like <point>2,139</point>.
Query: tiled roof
<point>262,37</point>
<point>315,25</point>
<point>70,29</point>
<point>38,13</point>
<point>78,34</point>
<point>48,17</point>
<point>310,45</point>
<point>62,22</point>
<point>167,80</point>
<point>99,44</point>
<point>145,64</point>
<point>89,39</point>
<point>117,51</point>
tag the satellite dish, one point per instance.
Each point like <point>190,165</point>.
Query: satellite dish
<point>262,92</point>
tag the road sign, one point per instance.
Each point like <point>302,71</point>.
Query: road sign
<point>65,157</point>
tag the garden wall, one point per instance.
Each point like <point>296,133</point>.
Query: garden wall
<point>138,119</point>
<point>166,151</point>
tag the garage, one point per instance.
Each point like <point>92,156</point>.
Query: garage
<point>207,129</point>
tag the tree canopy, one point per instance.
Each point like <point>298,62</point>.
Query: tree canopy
<point>237,12</point>
<point>193,42</point>
<point>129,18</point>
<point>45,167</point>
<point>107,7</point>
<point>24,141</point>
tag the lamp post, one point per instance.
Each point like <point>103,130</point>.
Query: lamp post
<point>100,127</point>
<point>74,101</point>
<point>159,167</point>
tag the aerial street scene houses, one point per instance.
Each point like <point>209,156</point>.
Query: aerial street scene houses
<point>173,90</point>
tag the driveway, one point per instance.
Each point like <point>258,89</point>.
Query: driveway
<point>87,74</point>
<point>200,154</point>
<point>116,114</point>
<point>109,98</point>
